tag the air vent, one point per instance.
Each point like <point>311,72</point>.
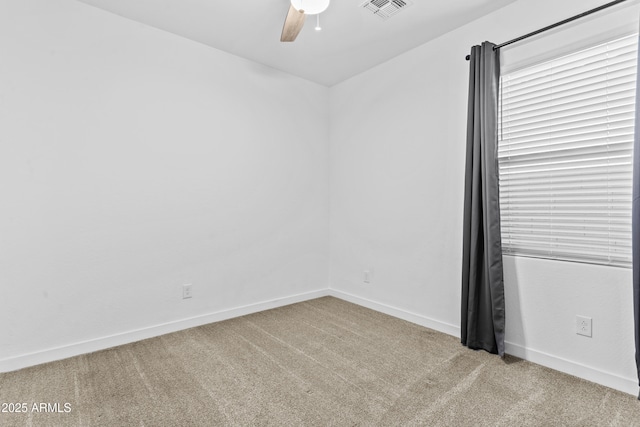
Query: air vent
<point>385,9</point>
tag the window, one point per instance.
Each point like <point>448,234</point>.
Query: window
<point>565,156</point>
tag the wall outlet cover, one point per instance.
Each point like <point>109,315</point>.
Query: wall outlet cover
<point>187,291</point>
<point>366,276</point>
<point>583,326</point>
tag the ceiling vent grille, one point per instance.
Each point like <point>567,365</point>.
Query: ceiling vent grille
<point>385,9</point>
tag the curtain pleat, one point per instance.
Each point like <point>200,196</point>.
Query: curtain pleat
<point>483,311</point>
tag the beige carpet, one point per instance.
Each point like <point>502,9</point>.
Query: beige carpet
<point>321,362</point>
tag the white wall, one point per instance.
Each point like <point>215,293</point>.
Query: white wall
<point>133,161</point>
<point>397,167</point>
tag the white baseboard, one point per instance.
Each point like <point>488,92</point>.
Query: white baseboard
<point>626,385</point>
<point>399,313</point>
<point>89,346</point>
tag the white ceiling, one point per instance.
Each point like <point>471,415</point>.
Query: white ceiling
<point>352,39</point>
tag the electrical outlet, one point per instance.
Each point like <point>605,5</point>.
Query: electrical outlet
<point>187,291</point>
<point>366,276</point>
<point>583,326</point>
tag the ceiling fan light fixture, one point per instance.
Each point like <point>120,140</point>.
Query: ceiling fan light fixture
<point>311,7</point>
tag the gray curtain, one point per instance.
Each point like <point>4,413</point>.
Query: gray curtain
<point>635,234</point>
<point>483,312</point>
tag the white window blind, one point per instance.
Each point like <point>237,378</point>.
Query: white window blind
<point>565,156</point>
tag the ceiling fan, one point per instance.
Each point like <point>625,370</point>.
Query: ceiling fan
<point>295,17</point>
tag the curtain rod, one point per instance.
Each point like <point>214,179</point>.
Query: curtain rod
<point>557,24</point>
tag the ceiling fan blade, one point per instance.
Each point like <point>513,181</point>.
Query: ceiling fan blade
<point>292,24</point>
